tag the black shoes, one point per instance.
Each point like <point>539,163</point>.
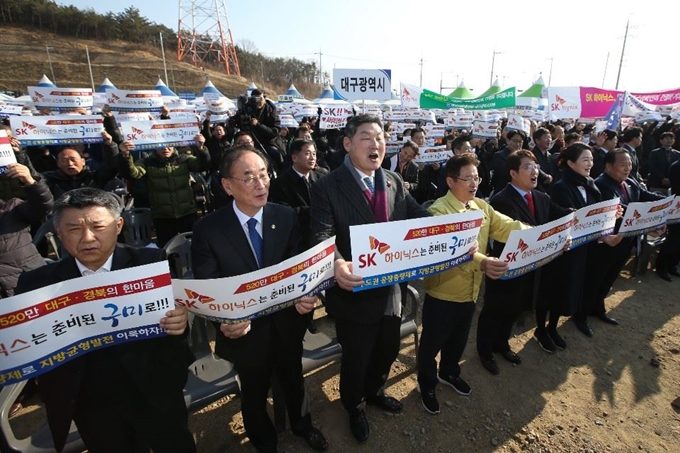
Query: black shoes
<point>358,424</point>
<point>663,275</point>
<point>606,318</point>
<point>315,439</point>
<point>583,327</point>
<point>490,364</point>
<point>386,403</point>
<point>545,342</point>
<point>458,384</point>
<point>429,400</point>
<point>511,357</point>
<point>558,341</point>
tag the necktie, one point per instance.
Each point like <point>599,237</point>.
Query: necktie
<point>530,203</point>
<point>256,240</point>
<point>624,193</point>
<point>369,184</point>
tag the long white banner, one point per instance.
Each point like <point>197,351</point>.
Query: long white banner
<point>131,101</point>
<point>45,328</point>
<point>674,211</point>
<point>57,130</point>
<point>593,222</point>
<point>61,98</point>
<point>155,134</point>
<point>642,217</point>
<point>411,249</point>
<point>235,299</point>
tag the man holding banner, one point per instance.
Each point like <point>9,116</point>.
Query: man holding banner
<point>504,300</point>
<point>127,397</point>
<point>244,236</point>
<point>368,322</point>
<point>450,299</point>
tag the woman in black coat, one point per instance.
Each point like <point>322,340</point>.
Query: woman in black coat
<point>562,283</point>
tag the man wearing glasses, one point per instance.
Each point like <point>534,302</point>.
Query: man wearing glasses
<point>450,296</point>
<point>244,236</point>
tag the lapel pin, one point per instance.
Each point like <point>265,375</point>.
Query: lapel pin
<point>273,227</point>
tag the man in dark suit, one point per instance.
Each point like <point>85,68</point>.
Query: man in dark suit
<point>367,322</point>
<point>605,260</point>
<point>632,140</point>
<point>242,237</point>
<point>669,255</point>
<point>504,300</point>
<point>542,141</point>
<point>293,186</point>
<point>605,142</point>
<point>515,140</point>
<point>660,161</point>
<point>126,397</point>
<point>402,163</point>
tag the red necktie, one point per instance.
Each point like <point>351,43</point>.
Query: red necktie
<point>624,193</point>
<point>530,203</point>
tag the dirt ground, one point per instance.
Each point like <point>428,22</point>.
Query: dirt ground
<point>609,393</point>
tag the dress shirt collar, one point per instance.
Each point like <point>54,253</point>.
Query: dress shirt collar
<point>521,192</point>
<point>84,270</point>
<point>243,218</point>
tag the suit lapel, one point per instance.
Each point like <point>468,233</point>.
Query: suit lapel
<point>520,203</point>
<point>350,190</point>
<point>121,257</point>
<point>269,235</point>
<point>391,190</point>
<point>234,233</point>
<point>66,270</point>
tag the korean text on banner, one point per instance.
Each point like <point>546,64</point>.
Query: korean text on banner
<point>61,98</point>
<point>57,130</point>
<point>593,222</point>
<point>8,109</point>
<point>411,249</point>
<point>6,152</point>
<point>156,134</point>
<point>265,291</point>
<point>642,217</point>
<point>527,250</point>
<point>130,101</point>
<point>334,117</point>
<point>357,84</point>
<point>433,154</point>
<point>45,328</point>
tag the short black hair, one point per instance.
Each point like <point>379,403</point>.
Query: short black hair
<point>354,122</point>
<point>631,133</point>
<point>85,197</point>
<point>611,156</point>
<point>454,164</point>
<point>514,160</point>
<point>300,143</point>
<point>458,142</point>
<point>572,153</point>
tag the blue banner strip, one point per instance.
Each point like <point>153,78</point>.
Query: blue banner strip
<point>77,349</point>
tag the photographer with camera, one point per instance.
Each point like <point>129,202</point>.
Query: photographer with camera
<point>259,117</point>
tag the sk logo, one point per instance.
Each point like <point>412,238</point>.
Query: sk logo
<point>406,92</point>
<point>636,215</point>
<point>137,131</point>
<point>560,100</point>
<point>522,245</point>
<point>28,125</point>
<point>376,244</point>
<point>194,297</point>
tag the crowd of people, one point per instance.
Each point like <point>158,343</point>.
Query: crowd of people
<point>269,195</point>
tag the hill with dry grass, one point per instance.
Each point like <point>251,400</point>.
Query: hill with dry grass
<point>24,59</point>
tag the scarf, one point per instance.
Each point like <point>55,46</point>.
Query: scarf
<point>586,182</point>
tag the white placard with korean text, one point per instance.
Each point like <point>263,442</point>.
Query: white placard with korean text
<point>484,129</point>
<point>6,152</point>
<point>262,292</point>
<point>57,129</point>
<point>674,212</point>
<point>358,84</point>
<point>593,222</point>
<point>641,217</point>
<point>132,116</point>
<point>527,250</point>
<point>387,254</point>
<point>156,134</point>
<point>434,154</point>
<point>131,101</point>
<point>334,117</point>
<point>61,98</point>
<point>7,109</point>
<point>518,123</point>
<point>435,130</point>
<point>45,328</point>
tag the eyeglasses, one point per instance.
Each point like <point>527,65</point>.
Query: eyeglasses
<point>251,181</point>
<point>475,179</point>
<point>243,142</point>
<point>531,167</point>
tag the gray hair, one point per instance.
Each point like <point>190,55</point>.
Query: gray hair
<point>354,122</point>
<point>86,197</point>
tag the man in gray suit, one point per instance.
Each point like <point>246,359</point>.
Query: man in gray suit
<point>367,322</point>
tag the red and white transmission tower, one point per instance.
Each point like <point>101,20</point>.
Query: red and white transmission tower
<point>202,36</point>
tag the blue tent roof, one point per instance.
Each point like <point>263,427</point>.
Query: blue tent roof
<point>45,82</point>
<point>210,88</point>
<point>106,85</point>
<point>292,91</point>
<point>163,88</point>
<point>327,93</point>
